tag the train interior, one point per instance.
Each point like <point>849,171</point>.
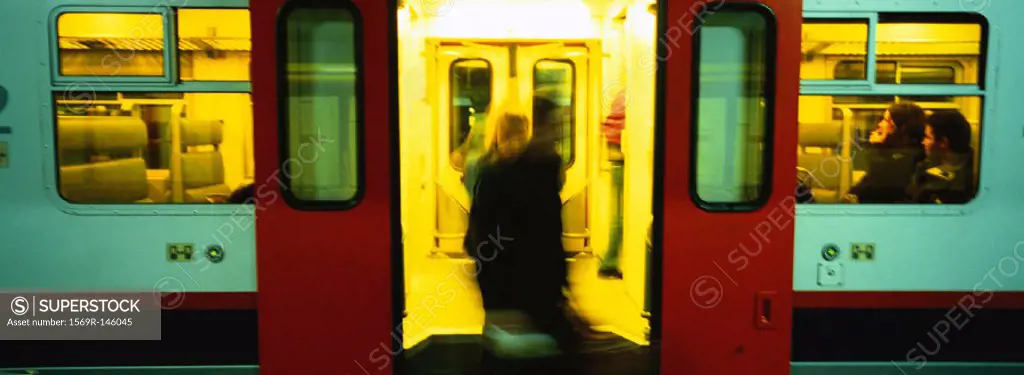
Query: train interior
<point>460,64</point>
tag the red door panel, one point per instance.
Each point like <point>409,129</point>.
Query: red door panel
<point>324,270</point>
<point>727,267</point>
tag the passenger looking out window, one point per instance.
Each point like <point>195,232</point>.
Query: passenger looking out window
<point>894,151</point>
<point>947,175</point>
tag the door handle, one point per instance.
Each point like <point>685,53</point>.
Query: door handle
<point>763,316</point>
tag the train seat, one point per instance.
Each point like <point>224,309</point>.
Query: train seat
<point>820,154</point>
<point>203,171</point>
<point>101,159</point>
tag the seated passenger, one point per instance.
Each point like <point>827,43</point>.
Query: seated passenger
<point>893,153</point>
<point>947,175</point>
<point>244,194</point>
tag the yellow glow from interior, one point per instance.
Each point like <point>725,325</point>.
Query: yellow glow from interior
<point>110,25</point>
<point>441,293</point>
<point>519,20</point>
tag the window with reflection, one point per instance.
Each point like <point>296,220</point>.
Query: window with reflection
<point>214,44</point>
<point>471,85</point>
<point>906,71</point>
<point>111,44</point>
<point>731,107</point>
<point>843,157</point>
<point>825,40</point>
<point>320,83</point>
<point>555,80</point>
<point>152,147</point>
<point>927,48</point>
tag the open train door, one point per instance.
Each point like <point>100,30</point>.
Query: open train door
<point>323,127</point>
<point>726,144</point>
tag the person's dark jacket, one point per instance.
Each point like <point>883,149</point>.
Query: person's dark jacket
<point>889,169</point>
<point>943,183</point>
<point>515,233</point>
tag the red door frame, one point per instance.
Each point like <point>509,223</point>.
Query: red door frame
<point>709,295</point>
<point>325,276</point>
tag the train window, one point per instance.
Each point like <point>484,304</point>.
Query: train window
<point>841,160</point>
<point>470,86</point>
<point>556,79</point>
<point>921,42</point>
<point>214,44</point>
<point>167,147</point>
<point>826,39</point>
<point>733,95</point>
<point>320,106</point>
<point>111,44</point>
<point>901,72</point>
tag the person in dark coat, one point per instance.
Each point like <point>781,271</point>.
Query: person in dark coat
<point>515,236</point>
<point>947,175</point>
<point>892,156</point>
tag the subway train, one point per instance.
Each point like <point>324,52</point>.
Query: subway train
<point>285,180</point>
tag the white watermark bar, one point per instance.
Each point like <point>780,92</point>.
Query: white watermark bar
<point>79,316</point>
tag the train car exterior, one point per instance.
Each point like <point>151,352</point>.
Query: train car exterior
<point>915,287</point>
<point>132,128</point>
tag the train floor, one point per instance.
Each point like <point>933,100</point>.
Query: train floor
<point>463,355</point>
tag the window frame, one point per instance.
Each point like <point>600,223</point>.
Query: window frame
<point>128,84</point>
<point>573,104</point>
<point>769,89</point>
<point>177,40</point>
<point>284,126</point>
<point>872,88</point>
<point>170,55</point>
<point>874,19</point>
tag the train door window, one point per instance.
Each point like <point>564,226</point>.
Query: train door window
<point>732,101</point>
<point>214,44</point>
<point>823,39</point>
<point>556,80</point>
<point>320,107</point>
<point>471,86</point>
<point>99,45</point>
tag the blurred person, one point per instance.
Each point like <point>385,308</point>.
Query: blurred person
<point>515,237</point>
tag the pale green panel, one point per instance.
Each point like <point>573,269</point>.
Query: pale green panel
<point>324,107</point>
<point>720,113</point>
<point>891,368</point>
<point>45,247</point>
<point>939,247</point>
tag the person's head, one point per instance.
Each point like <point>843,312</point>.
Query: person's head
<point>947,132</point>
<point>512,131</point>
<point>902,122</point>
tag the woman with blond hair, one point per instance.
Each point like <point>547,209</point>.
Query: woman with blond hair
<point>515,237</point>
